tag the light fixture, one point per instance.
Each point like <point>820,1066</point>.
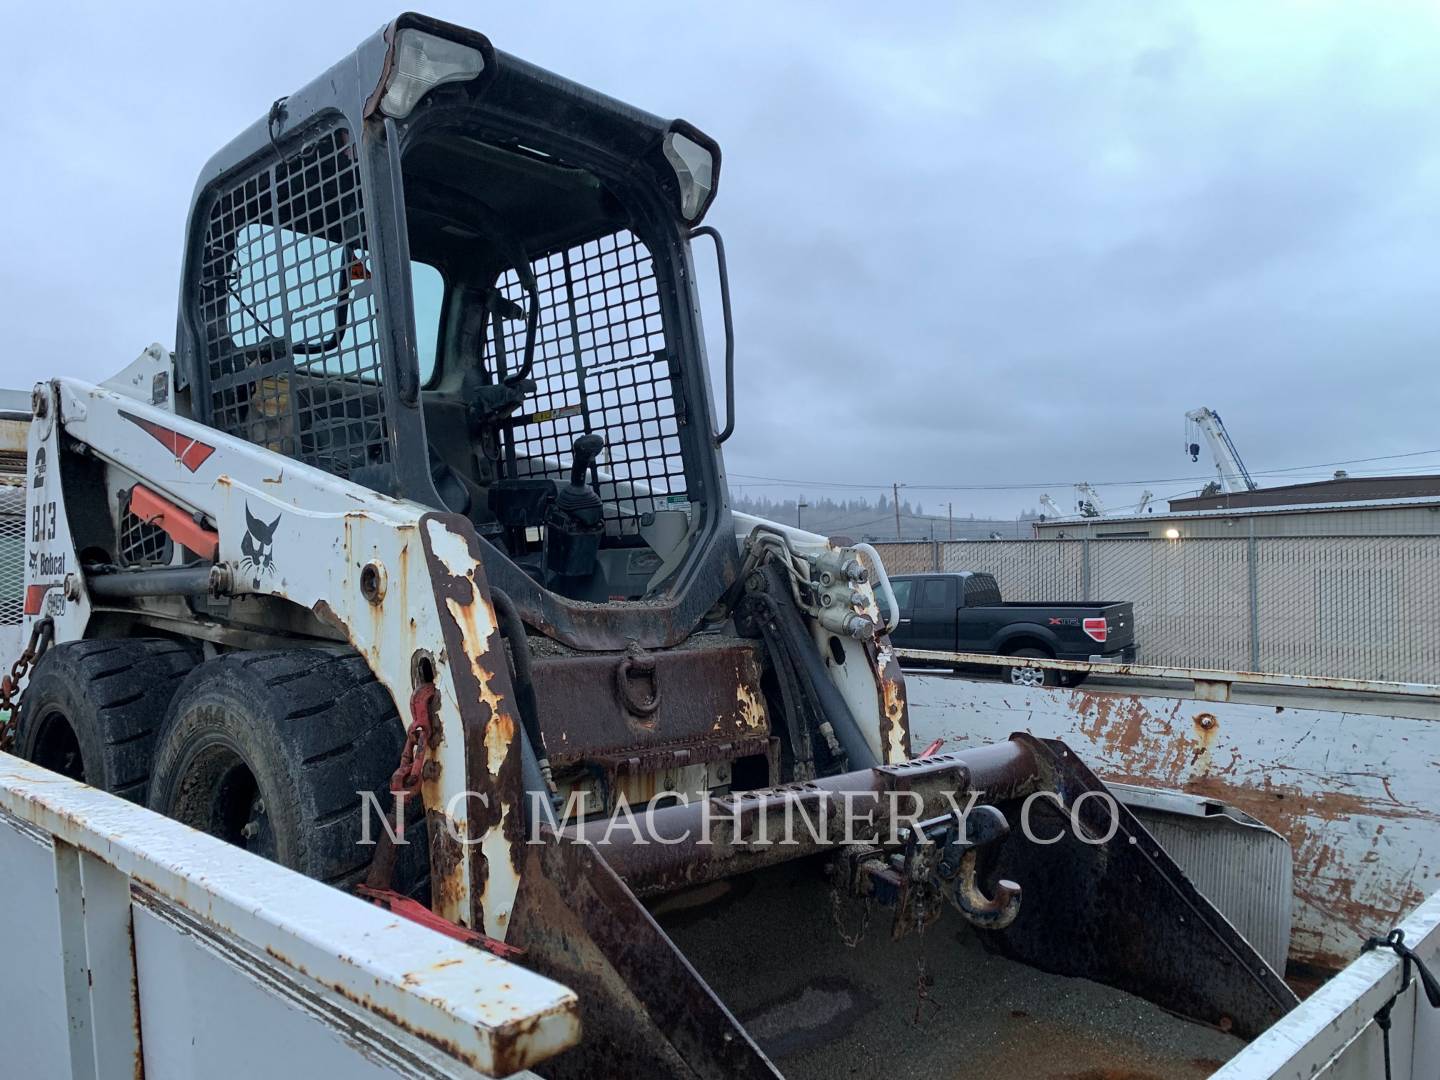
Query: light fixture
<point>423,62</point>
<point>1172,534</point>
<point>694,169</point>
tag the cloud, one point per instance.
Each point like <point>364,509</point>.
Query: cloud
<point>968,244</point>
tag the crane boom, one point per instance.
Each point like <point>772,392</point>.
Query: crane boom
<point>1088,501</point>
<point>1230,471</point>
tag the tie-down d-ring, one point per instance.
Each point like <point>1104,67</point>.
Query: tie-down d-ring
<point>635,667</point>
<point>985,825</point>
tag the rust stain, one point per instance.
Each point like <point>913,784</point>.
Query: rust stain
<point>894,711</point>
<point>494,812</point>
<point>1317,813</point>
<point>445,859</point>
<point>514,1046</point>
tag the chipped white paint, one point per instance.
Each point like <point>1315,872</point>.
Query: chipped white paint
<point>326,529</point>
<point>352,989</point>
<point>476,621</point>
<point>1353,793</point>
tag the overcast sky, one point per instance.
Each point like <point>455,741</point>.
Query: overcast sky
<point>981,244</point>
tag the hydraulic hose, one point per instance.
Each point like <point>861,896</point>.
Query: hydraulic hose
<point>780,604</point>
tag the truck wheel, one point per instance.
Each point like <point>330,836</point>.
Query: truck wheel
<point>92,708</point>
<point>271,751</point>
<point>1030,676</point>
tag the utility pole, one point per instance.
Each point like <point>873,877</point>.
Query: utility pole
<point>801,505</point>
<point>950,510</point>
<point>895,493</point>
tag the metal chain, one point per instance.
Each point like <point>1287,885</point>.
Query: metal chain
<point>850,940</point>
<point>10,685</point>
<point>923,980</point>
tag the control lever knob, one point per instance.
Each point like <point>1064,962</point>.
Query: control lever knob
<point>586,450</point>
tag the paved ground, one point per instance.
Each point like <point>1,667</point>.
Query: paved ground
<point>933,1006</point>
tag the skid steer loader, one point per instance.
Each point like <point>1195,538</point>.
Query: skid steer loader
<point>412,569</point>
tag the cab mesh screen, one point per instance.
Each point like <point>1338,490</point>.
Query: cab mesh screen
<point>601,366</point>
<point>287,315</point>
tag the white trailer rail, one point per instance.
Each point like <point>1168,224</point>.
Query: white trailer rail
<point>1211,684</point>
<point>1333,1034</point>
<point>133,945</point>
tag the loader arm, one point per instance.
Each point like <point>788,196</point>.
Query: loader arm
<point>291,532</point>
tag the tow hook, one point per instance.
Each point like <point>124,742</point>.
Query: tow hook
<point>937,863</point>
<point>984,826</point>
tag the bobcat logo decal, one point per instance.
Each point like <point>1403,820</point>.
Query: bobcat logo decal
<point>258,546</point>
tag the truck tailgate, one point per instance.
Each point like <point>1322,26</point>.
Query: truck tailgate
<point>1119,626</point>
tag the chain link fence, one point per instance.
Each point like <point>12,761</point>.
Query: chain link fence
<point>1360,607</point>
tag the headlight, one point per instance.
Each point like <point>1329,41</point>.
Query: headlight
<point>694,169</point>
<point>423,62</point>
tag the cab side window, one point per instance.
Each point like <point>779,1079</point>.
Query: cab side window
<point>427,288</point>
<point>938,592</point>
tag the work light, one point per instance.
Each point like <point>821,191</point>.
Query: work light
<point>694,169</point>
<point>423,62</point>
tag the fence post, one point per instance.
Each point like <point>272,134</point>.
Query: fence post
<point>935,555</point>
<point>1250,551</point>
<point>1085,569</point>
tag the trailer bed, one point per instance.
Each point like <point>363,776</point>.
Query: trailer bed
<point>934,1005</point>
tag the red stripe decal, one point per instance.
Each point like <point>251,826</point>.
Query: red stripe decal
<point>35,596</point>
<point>189,452</point>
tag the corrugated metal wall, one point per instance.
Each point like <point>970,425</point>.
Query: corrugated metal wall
<point>1370,521</point>
<point>1362,607</point>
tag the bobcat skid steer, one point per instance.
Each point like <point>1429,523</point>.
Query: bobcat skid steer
<point>412,569</point>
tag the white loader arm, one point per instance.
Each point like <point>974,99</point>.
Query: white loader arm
<point>401,583</point>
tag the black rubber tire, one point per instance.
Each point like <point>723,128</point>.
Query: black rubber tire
<point>1044,676</point>
<point>1072,679</point>
<point>92,709</point>
<point>269,750</point>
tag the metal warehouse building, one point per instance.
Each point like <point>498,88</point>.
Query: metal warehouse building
<point>1344,506</point>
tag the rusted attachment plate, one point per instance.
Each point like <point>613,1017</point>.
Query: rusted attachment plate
<point>644,1009</point>
<point>617,705</point>
<point>1122,912</point>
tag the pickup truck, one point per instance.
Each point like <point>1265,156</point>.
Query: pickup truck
<point>963,612</point>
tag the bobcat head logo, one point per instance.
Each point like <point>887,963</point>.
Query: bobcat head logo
<point>258,546</point>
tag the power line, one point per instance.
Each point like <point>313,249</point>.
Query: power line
<point>752,480</point>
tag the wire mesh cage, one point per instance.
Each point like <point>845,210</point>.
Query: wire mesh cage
<point>601,365</point>
<point>287,316</point>
<point>12,544</point>
<point>142,543</point>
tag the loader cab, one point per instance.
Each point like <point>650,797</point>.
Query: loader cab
<point>452,277</point>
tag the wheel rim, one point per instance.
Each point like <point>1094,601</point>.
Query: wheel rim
<point>217,793</point>
<point>1027,676</point>
<point>56,746</point>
